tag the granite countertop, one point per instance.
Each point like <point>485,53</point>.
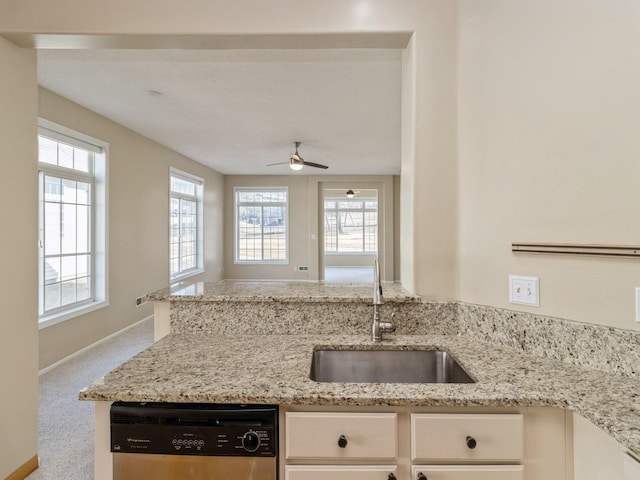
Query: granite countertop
<point>285,291</point>
<point>274,369</point>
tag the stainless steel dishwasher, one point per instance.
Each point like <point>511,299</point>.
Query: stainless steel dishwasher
<point>175,441</point>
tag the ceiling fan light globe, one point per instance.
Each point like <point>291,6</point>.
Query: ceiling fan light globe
<point>295,165</point>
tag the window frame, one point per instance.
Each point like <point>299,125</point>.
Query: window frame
<point>199,199</point>
<point>97,178</point>
<point>236,233</point>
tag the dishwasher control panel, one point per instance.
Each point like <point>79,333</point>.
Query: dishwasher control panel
<point>194,429</point>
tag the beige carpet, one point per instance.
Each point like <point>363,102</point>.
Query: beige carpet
<point>65,446</point>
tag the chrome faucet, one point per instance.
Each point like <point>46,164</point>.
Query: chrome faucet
<point>378,327</point>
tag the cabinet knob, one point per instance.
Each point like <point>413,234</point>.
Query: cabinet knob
<point>422,476</point>
<point>471,442</point>
<point>392,477</point>
<point>342,441</point>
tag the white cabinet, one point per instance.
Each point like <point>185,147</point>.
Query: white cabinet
<point>341,436</point>
<point>340,446</point>
<point>386,443</point>
<point>631,468</point>
<point>468,472</point>
<point>470,440</point>
<point>597,456</point>
<point>340,472</point>
<point>467,437</point>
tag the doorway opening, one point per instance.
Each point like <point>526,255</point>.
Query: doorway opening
<point>350,234</point>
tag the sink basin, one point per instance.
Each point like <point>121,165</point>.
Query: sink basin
<point>387,366</point>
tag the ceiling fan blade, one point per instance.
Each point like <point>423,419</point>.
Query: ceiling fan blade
<point>279,163</point>
<point>311,164</point>
<point>297,162</point>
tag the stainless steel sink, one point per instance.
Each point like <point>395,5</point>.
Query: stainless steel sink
<point>387,366</point>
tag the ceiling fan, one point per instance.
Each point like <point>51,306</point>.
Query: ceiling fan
<point>296,162</point>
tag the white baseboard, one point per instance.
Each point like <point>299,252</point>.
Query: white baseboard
<point>89,347</point>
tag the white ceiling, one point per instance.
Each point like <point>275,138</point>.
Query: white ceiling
<point>239,110</point>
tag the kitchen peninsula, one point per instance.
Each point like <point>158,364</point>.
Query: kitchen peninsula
<point>251,342</point>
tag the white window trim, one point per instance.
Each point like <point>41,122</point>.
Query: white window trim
<point>174,172</point>
<point>101,216</point>
<point>236,238</point>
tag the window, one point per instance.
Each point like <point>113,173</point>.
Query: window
<point>71,223</point>
<point>350,225</point>
<point>261,225</point>
<point>185,223</point>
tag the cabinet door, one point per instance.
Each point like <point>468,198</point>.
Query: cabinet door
<point>631,468</point>
<point>596,455</point>
<point>339,472</point>
<point>467,437</point>
<point>468,472</point>
<point>323,435</point>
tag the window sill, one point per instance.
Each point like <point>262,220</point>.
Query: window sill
<point>54,319</point>
<point>184,276</point>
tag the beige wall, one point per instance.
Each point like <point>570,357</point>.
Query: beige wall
<point>518,117</point>
<point>429,92</point>
<point>397,258</point>
<point>18,257</point>
<point>138,225</point>
<point>549,108</point>
<point>407,159</point>
<point>304,227</point>
<point>498,97</point>
<point>277,17</point>
<point>299,225</point>
<point>432,168</point>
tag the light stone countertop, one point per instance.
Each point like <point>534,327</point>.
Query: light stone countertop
<point>274,369</point>
<point>281,291</point>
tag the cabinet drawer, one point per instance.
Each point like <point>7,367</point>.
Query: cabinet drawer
<point>317,435</point>
<point>444,437</point>
<point>469,472</point>
<point>339,472</point>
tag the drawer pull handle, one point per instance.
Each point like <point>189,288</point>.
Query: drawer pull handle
<point>392,477</point>
<point>422,476</point>
<point>342,441</point>
<point>471,442</point>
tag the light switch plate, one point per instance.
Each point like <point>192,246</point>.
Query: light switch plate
<point>524,290</point>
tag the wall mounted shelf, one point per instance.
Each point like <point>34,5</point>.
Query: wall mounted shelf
<point>628,251</point>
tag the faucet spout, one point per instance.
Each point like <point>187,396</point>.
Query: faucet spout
<point>378,327</point>
<point>378,299</point>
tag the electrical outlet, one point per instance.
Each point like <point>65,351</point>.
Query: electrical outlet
<point>638,304</point>
<point>524,290</point>
<point>141,300</point>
